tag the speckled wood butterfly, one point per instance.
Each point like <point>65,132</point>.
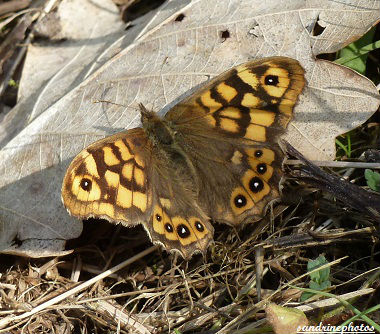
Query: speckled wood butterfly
<point>213,157</point>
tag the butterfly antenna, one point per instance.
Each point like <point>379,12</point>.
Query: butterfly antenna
<point>146,115</point>
<point>143,110</point>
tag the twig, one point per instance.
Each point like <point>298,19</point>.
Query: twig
<point>337,164</point>
<point>349,193</point>
<point>13,6</point>
<point>334,301</point>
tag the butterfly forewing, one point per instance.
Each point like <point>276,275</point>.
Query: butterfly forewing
<point>251,101</point>
<point>234,123</point>
<point>121,179</point>
<point>108,179</point>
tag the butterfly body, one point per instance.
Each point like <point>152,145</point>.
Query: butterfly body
<point>212,157</point>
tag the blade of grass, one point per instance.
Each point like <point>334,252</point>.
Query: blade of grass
<point>343,302</point>
<point>370,310</point>
<point>343,147</point>
<point>363,51</point>
<point>353,56</point>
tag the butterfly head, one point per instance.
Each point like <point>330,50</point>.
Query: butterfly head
<point>155,127</point>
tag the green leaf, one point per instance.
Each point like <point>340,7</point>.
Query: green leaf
<point>320,275</point>
<point>373,179</point>
<point>319,279</point>
<point>324,274</point>
<point>325,285</point>
<point>12,83</point>
<point>355,54</point>
<point>306,295</point>
<point>315,286</point>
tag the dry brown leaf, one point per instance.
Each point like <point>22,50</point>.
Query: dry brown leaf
<point>158,62</point>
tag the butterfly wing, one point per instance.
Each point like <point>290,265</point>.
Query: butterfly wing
<point>230,129</point>
<point>121,179</point>
<point>177,221</point>
<point>108,179</point>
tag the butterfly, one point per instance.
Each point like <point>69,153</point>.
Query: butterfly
<point>213,157</point>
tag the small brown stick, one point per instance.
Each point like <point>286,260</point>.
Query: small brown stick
<point>13,6</point>
<point>349,193</point>
<point>338,164</point>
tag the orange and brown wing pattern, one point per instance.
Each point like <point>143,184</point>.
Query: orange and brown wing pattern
<point>258,183</point>
<point>253,101</point>
<point>108,179</point>
<point>122,179</point>
<point>213,156</point>
<point>234,122</point>
<point>187,231</point>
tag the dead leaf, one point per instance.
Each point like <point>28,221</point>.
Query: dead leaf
<point>285,320</point>
<point>158,61</point>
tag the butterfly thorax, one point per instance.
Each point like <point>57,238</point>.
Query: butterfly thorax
<point>165,144</point>
<point>156,129</point>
